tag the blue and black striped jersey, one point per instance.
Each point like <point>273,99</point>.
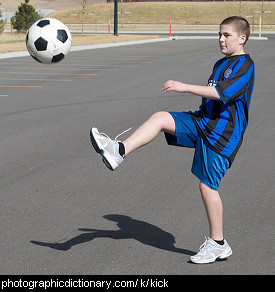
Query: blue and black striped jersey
<point>222,123</point>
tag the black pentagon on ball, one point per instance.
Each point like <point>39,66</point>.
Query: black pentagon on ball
<point>43,22</point>
<point>41,44</point>
<point>27,37</point>
<point>58,58</point>
<point>62,35</point>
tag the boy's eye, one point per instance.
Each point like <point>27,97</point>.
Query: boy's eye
<point>226,35</point>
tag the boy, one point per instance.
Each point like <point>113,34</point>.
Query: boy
<point>215,130</point>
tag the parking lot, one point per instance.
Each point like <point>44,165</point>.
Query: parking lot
<point>63,212</point>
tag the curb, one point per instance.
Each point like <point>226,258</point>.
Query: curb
<point>88,47</point>
<point>126,43</point>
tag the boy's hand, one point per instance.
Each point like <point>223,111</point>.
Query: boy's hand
<point>172,85</point>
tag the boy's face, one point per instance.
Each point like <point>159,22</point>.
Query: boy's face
<point>231,43</point>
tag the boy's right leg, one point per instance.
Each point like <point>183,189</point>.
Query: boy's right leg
<point>147,132</point>
<point>110,149</point>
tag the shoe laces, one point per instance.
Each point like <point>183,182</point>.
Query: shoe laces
<point>122,134</point>
<point>206,244</point>
<point>103,134</point>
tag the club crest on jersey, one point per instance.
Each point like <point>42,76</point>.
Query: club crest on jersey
<point>227,73</point>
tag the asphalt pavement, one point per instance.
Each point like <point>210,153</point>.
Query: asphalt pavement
<point>64,213</point>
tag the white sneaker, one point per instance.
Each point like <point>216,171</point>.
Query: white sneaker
<point>107,148</point>
<point>210,251</point>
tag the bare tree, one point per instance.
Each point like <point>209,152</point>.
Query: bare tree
<point>83,3</point>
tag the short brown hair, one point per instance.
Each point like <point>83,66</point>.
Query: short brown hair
<point>241,25</point>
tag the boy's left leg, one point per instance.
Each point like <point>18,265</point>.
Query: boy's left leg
<point>214,210</point>
<point>210,168</point>
<point>214,247</point>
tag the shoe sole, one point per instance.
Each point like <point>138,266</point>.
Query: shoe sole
<point>98,150</point>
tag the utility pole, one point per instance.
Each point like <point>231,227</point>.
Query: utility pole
<point>115,17</point>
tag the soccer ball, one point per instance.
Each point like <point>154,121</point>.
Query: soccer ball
<point>48,40</point>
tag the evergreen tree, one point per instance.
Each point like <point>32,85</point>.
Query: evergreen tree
<point>24,17</point>
<point>1,22</point>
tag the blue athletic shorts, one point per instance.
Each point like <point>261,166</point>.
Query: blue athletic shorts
<point>208,166</point>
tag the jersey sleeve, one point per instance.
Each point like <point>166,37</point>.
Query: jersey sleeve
<point>236,81</point>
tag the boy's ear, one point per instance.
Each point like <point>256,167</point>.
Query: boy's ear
<point>243,39</point>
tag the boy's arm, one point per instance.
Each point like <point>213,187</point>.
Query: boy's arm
<point>204,91</point>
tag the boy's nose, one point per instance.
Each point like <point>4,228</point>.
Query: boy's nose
<point>221,39</point>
